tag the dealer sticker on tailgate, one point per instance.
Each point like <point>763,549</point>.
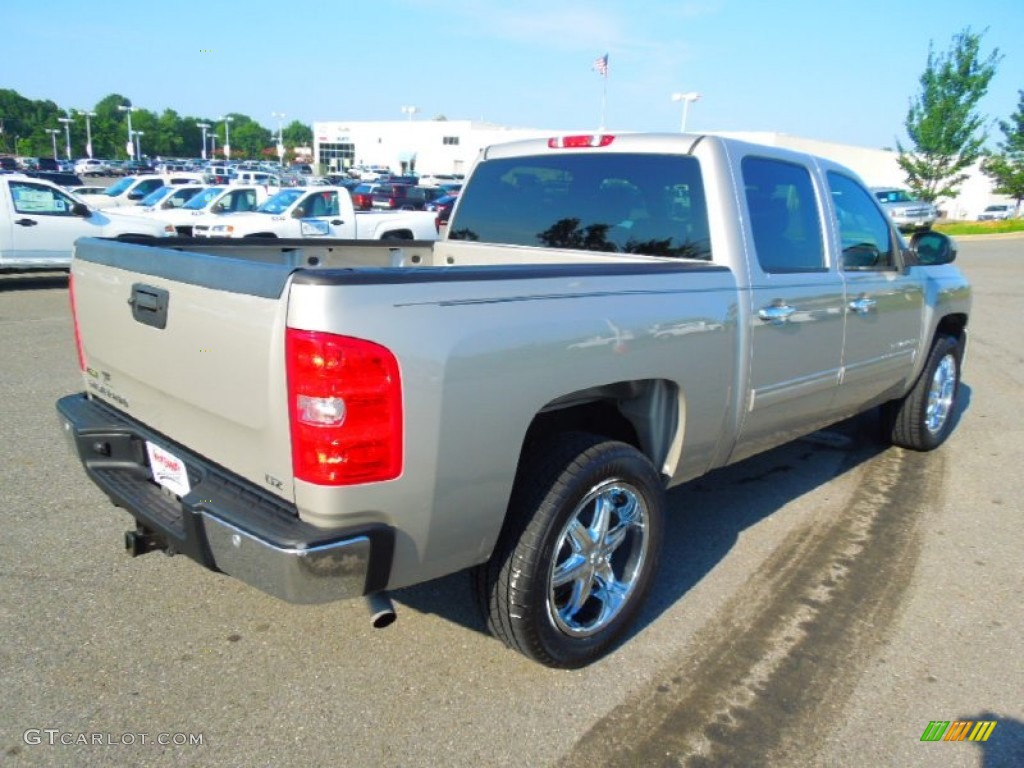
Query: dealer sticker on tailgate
<point>168,469</point>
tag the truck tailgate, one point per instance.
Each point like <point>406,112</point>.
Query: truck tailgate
<point>191,345</point>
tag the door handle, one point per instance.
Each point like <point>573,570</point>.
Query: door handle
<point>26,222</point>
<point>337,222</point>
<point>863,305</point>
<point>777,313</point>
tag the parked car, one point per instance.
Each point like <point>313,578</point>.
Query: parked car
<point>907,212</point>
<point>362,196</point>
<point>137,167</point>
<point>404,197</point>
<point>996,212</point>
<point>443,205</point>
<point>91,166</point>
<point>84,189</point>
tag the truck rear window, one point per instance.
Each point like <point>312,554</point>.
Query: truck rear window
<point>618,203</point>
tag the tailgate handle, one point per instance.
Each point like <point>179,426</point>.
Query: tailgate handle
<point>149,305</point>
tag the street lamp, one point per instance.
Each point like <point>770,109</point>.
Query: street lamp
<point>213,145</point>
<point>129,110</point>
<point>227,135</point>
<point>686,98</point>
<point>67,134</point>
<point>204,126</point>
<point>138,143</point>
<point>88,131</point>
<point>280,135</point>
<point>53,135</point>
<point>410,111</point>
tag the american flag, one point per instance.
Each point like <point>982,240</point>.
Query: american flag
<point>601,65</point>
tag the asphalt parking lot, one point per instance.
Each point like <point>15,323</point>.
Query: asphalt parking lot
<point>818,605</point>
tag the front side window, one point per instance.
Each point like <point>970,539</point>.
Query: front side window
<point>867,240</point>
<point>784,217</point>
<point>39,200</point>
<point>616,203</point>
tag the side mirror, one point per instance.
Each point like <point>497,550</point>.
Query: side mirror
<point>135,195</point>
<point>81,209</point>
<point>931,249</point>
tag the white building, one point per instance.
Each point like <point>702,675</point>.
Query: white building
<point>424,146</point>
<point>451,146</point>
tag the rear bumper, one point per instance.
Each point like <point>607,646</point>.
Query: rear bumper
<point>225,523</point>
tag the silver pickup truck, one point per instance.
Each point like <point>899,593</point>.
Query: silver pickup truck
<point>605,317</point>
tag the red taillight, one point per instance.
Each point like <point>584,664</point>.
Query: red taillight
<point>74,318</point>
<point>580,142</point>
<point>345,408</point>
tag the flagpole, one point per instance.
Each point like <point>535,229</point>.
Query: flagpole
<point>600,66</point>
<point>604,100</point>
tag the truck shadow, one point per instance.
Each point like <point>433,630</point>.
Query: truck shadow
<point>1005,747</point>
<point>707,515</point>
<point>20,281</point>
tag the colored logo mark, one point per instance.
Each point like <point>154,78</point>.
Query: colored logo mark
<point>958,730</point>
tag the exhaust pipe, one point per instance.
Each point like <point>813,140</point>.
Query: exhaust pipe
<point>382,610</point>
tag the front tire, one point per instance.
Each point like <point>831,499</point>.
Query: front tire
<point>924,418</point>
<point>578,553</point>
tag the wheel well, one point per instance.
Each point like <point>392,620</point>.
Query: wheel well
<point>397,234</point>
<point>952,325</point>
<point>644,414</point>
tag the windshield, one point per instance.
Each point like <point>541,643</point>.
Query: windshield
<point>203,199</point>
<point>156,196</point>
<point>894,196</point>
<point>280,202</point>
<point>120,187</point>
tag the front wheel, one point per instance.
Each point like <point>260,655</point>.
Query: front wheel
<point>578,553</point>
<point>924,418</point>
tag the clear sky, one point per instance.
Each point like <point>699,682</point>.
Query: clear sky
<point>832,70</point>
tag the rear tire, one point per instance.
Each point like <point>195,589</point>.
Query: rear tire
<point>925,416</point>
<point>578,553</point>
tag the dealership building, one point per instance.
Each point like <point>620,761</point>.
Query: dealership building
<point>451,146</point>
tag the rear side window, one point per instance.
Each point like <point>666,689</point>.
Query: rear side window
<point>616,203</point>
<point>784,216</point>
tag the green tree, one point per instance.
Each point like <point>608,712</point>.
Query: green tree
<point>1006,168</point>
<point>943,123</point>
<point>297,134</point>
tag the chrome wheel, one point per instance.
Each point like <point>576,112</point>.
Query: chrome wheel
<point>599,557</point>
<point>941,395</point>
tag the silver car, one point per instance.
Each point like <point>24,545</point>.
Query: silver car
<point>907,212</point>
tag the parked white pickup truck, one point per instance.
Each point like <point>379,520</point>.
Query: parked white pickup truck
<point>606,317</point>
<point>323,212</point>
<point>132,189</point>
<point>209,206</point>
<point>39,223</point>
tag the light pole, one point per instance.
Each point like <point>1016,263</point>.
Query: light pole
<point>213,145</point>
<point>227,135</point>
<point>128,147</point>
<point>204,126</point>
<point>53,135</point>
<point>138,143</point>
<point>67,134</point>
<point>686,98</point>
<point>280,136</point>
<point>88,131</point>
<point>410,111</point>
